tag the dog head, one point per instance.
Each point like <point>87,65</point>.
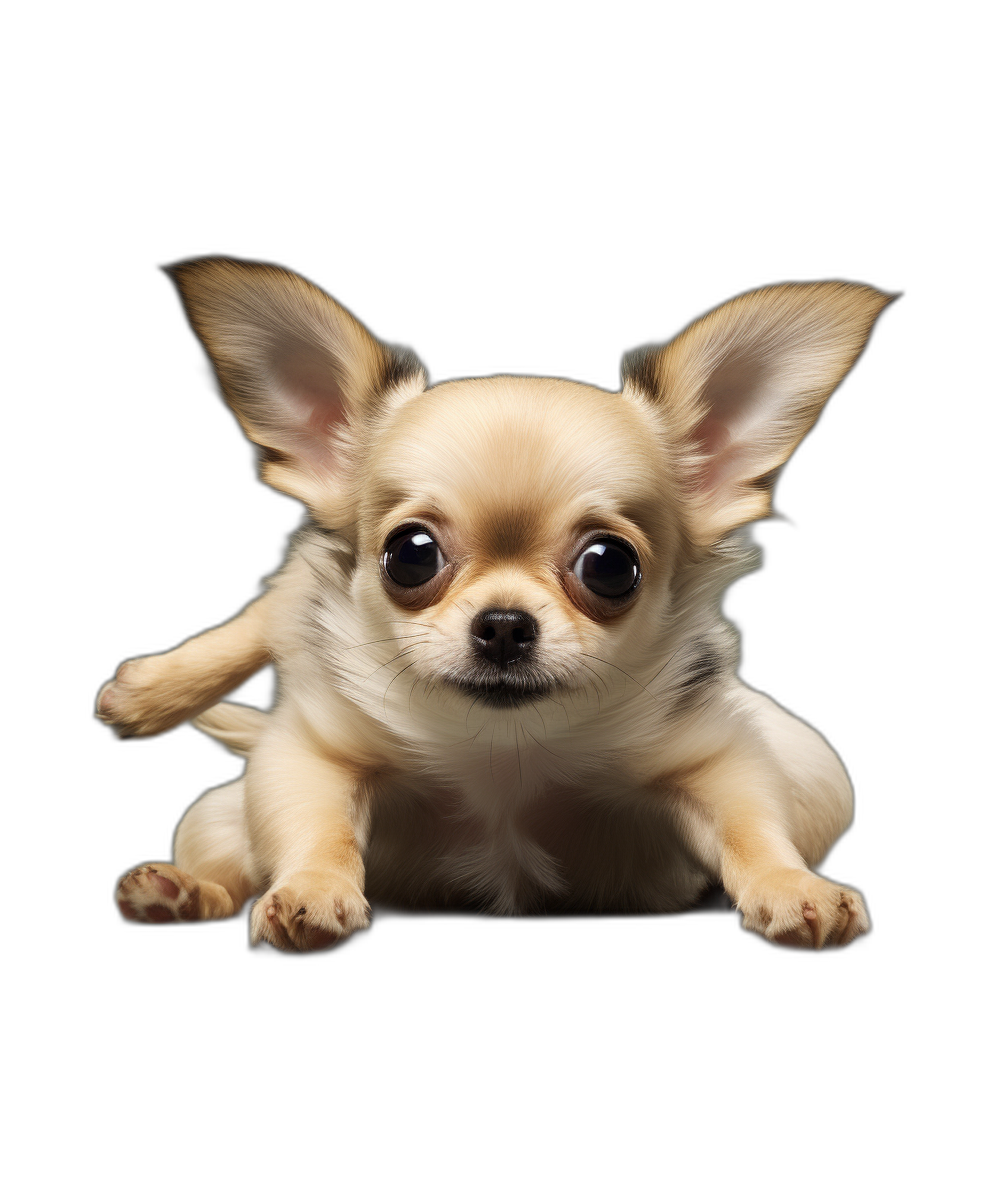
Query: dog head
<point>526,536</point>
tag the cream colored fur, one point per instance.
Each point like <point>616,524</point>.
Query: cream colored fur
<point>644,773</point>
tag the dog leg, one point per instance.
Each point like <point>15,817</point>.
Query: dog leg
<point>307,827</point>
<point>735,812</point>
<point>213,873</point>
<point>151,694</point>
<point>820,798</point>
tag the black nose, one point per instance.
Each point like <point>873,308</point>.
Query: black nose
<point>503,636</point>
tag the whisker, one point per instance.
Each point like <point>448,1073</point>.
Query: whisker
<point>532,737</point>
<point>563,709</point>
<point>666,666</point>
<point>595,658</point>
<point>401,654</point>
<point>477,736</point>
<point>409,698</point>
<point>382,640</point>
<point>389,687</point>
<point>591,679</point>
<point>601,680</point>
<point>492,734</point>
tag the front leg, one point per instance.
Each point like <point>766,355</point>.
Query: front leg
<point>308,825</point>
<point>152,694</point>
<point>733,810</point>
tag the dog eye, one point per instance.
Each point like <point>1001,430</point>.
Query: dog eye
<point>608,567</point>
<point>411,557</point>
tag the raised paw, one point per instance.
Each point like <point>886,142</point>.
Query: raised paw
<point>798,908</point>
<point>147,695</point>
<point>158,892</point>
<point>309,911</point>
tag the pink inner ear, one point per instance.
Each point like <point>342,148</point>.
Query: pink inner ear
<point>723,466</point>
<point>732,394</point>
<point>324,413</point>
<point>313,406</point>
<point>713,437</point>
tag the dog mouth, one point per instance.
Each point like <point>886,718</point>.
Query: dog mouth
<point>505,690</point>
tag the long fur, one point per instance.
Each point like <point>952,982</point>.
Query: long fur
<point>636,770</point>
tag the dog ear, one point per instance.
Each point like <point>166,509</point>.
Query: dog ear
<point>741,386</point>
<point>300,373</point>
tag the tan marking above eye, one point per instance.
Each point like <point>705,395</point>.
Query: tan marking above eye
<point>503,538</point>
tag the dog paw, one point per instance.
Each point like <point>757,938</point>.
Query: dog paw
<point>309,911</point>
<point>798,908</point>
<point>143,698</point>
<point>158,892</point>
<point>130,702</point>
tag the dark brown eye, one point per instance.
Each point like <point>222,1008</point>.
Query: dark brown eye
<point>608,567</point>
<point>411,557</point>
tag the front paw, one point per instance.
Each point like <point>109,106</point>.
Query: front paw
<point>144,698</point>
<point>309,911</point>
<point>798,908</point>
<point>158,892</point>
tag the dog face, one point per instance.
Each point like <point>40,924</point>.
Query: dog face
<point>527,536</point>
<point>525,525</point>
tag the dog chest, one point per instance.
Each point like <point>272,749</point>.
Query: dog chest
<point>526,845</point>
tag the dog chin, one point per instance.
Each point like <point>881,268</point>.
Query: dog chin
<point>503,693</point>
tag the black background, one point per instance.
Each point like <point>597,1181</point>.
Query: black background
<point>502,275</point>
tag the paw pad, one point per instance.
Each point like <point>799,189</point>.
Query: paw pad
<point>158,893</point>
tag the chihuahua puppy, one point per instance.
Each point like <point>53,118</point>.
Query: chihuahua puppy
<point>504,678</point>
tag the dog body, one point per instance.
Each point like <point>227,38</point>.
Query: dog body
<point>505,681</point>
